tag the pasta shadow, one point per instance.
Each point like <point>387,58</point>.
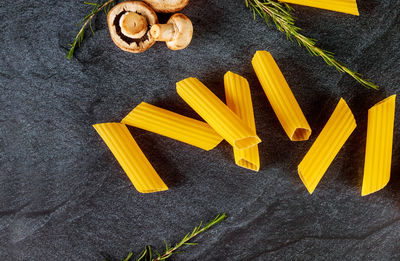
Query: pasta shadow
<point>155,152</point>
<point>393,186</point>
<point>354,149</point>
<point>367,7</point>
<point>108,257</point>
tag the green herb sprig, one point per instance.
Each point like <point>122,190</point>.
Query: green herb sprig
<point>87,20</point>
<point>147,253</point>
<point>282,16</point>
<point>280,13</point>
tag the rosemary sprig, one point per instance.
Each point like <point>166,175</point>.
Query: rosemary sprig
<point>147,253</point>
<point>87,20</point>
<point>282,16</point>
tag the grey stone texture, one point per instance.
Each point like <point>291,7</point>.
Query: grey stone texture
<point>63,196</point>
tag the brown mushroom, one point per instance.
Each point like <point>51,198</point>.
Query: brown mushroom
<point>177,32</point>
<point>129,25</point>
<point>167,6</point>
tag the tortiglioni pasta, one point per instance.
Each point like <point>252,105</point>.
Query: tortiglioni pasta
<point>131,158</point>
<point>281,97</point>
<point>325,148</point>
<point>378,152</point>
<point>173,125</point>
<point>238,99</point>
<point>225,122</point>
<point>344,6</point>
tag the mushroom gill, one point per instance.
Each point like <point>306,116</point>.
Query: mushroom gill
<point>129,24</point>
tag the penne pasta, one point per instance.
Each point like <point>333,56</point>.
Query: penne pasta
<point>173,125</point>
<point>225,122</point>
<point>343,6</point>
<point>378,152</point>
<point>131,158</point>
<point>327,145</point>
<point>281,97</point>
<point>238,99</point>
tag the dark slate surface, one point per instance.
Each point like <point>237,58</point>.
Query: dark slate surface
<point>63,195</point>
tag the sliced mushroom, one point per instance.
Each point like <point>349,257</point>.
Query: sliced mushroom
<point>177,32</point>
<point>167,6</point>
<point>129,25</point>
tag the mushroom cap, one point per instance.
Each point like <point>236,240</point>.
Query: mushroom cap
<point>167,6</point>
<point>126,43</point>
<point>183,32</point>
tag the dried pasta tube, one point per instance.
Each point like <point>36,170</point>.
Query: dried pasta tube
<point>225,122</point>
<point>325,148</point>
<point>131,158</point>
<point>378,152</point>
<point>173,125</point>
<point>343,6</point>
<point>281,97</point>
<point>238,99</point>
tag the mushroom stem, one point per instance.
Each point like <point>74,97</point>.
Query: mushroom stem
<point>133,25</point>
<point>163,32</point>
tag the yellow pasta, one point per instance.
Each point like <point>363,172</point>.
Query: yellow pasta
<point>344,6</point>
<point>225,122</point>
<point>132,160</point>
<point>325,148</point>
<point>238,99</point>
<point>281,97</point>
<point>378,152</point>
<point>173,125</point>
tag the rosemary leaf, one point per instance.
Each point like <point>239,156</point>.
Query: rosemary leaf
<point>146,254</point>
<point>129,256</point>
<point>196,231</point>
<point>88,20</point>
<point>282,16</point>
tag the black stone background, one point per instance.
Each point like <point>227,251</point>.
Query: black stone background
<point>63,196</point>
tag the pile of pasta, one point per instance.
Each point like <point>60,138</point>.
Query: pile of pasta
<point>234,122</point>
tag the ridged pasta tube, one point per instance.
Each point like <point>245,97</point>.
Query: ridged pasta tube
<point>173,125</point>
<point>281,97</point>
<point>343,6</point>
<point>238,99</point>
<point>327,145</point>
<point>223,120</point>
<point>378,152</point>
<point>131,158</point>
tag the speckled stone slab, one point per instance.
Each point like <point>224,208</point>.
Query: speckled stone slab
<point>63,196</point>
